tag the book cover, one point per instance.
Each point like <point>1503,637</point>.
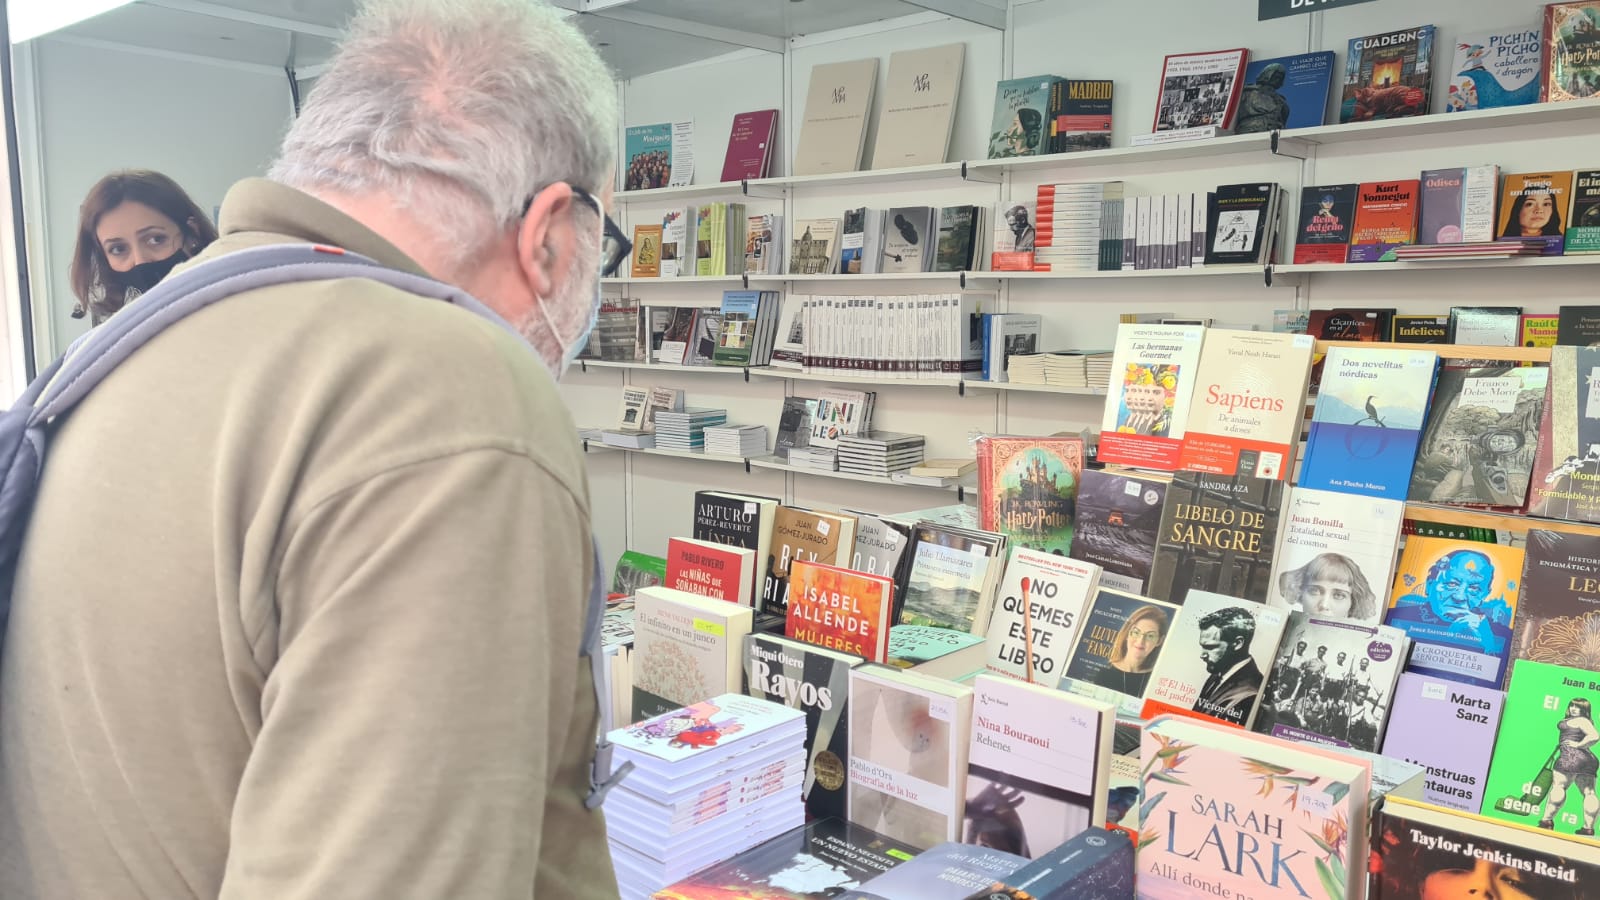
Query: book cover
<point>1539,331</point>
<point>1218,533</point>
<point>686,648</point>
<point>1038,766</point>
<point>1448,728</point>
<point>1571,38</point>
<point>822,859</point>
<point>1544,764</point>
<point>1119,516</point>
<point>1040,606</point>
<point>1028,488</point>
<point>1388,76</point>
<point>1481,436</point>
<point>802,534</point>
<point>1216,659</point>
<point>908,754</point>
<point>957,232</point>
<point>908,234</point>
<point>1368,420</point>
<point>750,143</point>
<point>839,609</point>
<point>919,106</point>
<point>1249,402</point>
<point>1583,217</point>
<point>1335,555</point>
<point>647,156</point>
<point>815,681</point>
<point>1097,864</point>
<point>1533,207</point>
<point>940,652</point>
<point>736,340</point>
<point>1285,92</point>
<point>1486,326</point>
<point>636,570</point>
<point>711,569</point>
<point>833,130</point>
<point>812,250</point>
<point>1152,385</point>
<point>947,581</point>
<point>1386,217</point>
<point>1456,600</point>
<point>948,871</point>
<point>1118,647</point>
<point>1083,116</point>
<point>737,520</point>
<point>1199,90</point>
<point>1558,617</point>
<point>1022,124</point>
<point>881,546</point>
<point>1412,328</point>
<point>1458,205</point>
<point>1014,236</point>
<point>1362,324</point>
<point>681,733</point>
<point>1566,475</point>
<point>1327,215</point>
<point>1491,69</point>
<point>677,251</point>
<point>646,251</point>
<point>1332,683</point>
<point>1244,815</point>
<point>1239,220</point>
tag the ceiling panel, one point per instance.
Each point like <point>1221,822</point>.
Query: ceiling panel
<point>156,28</point>
<point>633,50</point>
<point>322,13</point>
<point>777,18</point>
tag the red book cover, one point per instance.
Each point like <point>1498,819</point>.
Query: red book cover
<point>710,570</point>
<point>750,145</point>
<point>1386,217</point>
<point>839,609</point>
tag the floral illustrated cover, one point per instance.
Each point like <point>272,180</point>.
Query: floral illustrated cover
<point>683,733</point>
<point>1147,407</point>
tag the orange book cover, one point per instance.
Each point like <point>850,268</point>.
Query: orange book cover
<point>646,251</point>
<point>1533,207</point>
<point>839,609</point>
<point>1386,217</point>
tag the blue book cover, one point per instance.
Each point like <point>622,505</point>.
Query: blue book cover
<point>647,156</point>
<point>1495,68</point>
<point>1095,865</point>
<point>1285,92</point>
<point>1368,421</point>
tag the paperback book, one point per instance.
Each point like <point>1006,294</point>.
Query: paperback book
<point>1448,728</point>
<point>1332,683</point>
<point>1022,125</point>
<point>839,609</point>
<point>1481,437</point>
<point>815,681</point>
<point>1583,219</point>
<point>1218,533</point>
<point>1566,475</point>
<point>1118,648</point>
<point>1558,617</point>
<point>1040,607</point>
<point>1327,215</point>
<point>686,648</point>
<point>1456,600</point>
<point>1533,207</point>
<point>1219,652</point>
<point>822,859</point>
<point>1285,92</point>
<point>1386,218</point>
<point>1152,383</point>
<point>1119,516</point>
<point>948,871</point>
<point>1249,404</point>
<point>950,583</point>
<point>1368,421</point>
<point>1544,763</point>
<point>1335,555</point>
<point>1497,68</point>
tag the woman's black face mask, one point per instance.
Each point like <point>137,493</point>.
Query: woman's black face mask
<point>145,276</point>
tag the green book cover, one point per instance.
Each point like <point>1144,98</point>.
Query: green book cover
<point>1583,225</point>
<point>1544,765</point>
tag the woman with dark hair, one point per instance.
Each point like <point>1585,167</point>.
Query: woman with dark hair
<point>1533,214</point>
<point>1575,764</point>
<point>133,228</point>
<point>1330,586</point>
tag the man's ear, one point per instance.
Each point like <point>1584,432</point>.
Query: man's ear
<point>544,237</point>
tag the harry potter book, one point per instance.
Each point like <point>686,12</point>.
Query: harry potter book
<point>1456,599</point>
<point>1216,659</point>
<point>1571,39</point>
<point>1028,488</point>
<point>1218,533</point>
<point>815,681</point>
<point>1119,516</point>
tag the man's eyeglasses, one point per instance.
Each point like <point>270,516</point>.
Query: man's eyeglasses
<point>614,244</point>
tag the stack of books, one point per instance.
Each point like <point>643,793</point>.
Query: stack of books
<point>1026,368</point>
<point>736,440</point>
<point>709,781</point>
<point>880,452</point>
<point>1501,249</point>
<point>628,440</point>
<point>1084,369</point>
<point>823,459</point>
<point>686,430</point>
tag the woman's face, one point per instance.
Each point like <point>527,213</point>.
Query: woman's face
<point>1537,208</point>
<point>1328,595</point>
<point>1484,881</point>
<point>1573,711</point>
<point>1144,636</point>
<point>132,233</point>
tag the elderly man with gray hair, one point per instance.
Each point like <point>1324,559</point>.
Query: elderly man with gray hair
<point>300,607</point>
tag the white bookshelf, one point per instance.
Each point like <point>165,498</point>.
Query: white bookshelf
<point>792,375</point>
<point>773,463</point>
<point>1435,265</point>
<point>1014,387</point>
<point>586,364</point>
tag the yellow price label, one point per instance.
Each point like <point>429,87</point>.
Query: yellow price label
<point>706,626</point>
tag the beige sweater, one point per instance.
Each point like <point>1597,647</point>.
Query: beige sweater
<point>298,615</point>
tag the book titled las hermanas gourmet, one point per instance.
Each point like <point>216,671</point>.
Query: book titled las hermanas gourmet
<point>1248,405</point>
<point>1152,384</point>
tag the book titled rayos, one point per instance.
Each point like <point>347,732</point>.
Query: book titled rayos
<point>1327,215</point>
<point>1388,76</point>
<point>1216,659</point>
<point>1218,533</point>
<point>1249,402</point>
<point>1119,516</point>
<point>1481,437</point>
<point>1456,599</point>
<point>1368,421</point>
<point>1449,729</point>
<point>815,681</point>
<point>1332,683</point>
<point>1027,488</point>
<point>1152,384</point>
<point>1544,761</point>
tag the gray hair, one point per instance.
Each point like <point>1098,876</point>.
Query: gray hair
<point>458,109</point>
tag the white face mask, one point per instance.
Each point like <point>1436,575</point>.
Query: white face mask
<point>571,348</point>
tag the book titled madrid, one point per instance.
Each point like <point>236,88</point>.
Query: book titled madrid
<point>1249,401</point>
<point>1368,421</point>
<point>1448,728</point>
<point>686,648</point>
<point>1456,599</point>
<point>1038,767</point>
<point>1040,609</point>
<point>1332,683</point>
<point>815,681</point>
<point>839,609</point>
<point>1119,515</point>
<point>1216,659</point>
<point>1228,813</point>
<point>1218,533</point>
<point>1152,384</point>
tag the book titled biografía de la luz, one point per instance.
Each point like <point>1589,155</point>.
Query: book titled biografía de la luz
<point>1456,599</point>
<point>1235,814</point>
<point>1152,384</point>
<point>816,682</point>
<point>1216,659</point>
<point>908,754</point>
<point>1249,403</point>
<point>1368,421</point>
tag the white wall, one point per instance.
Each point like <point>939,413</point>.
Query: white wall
<point>96,110</point>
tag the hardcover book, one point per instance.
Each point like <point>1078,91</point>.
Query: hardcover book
<point>815,681</point>
<point>910,240</point>
<point>750,143</point>
<point>711,569</point>
<point>1544,762</point>
<point>1239,219</point>
<point>881,546</point>
<point>948,871</point>
<point>1368,421</point>
<point>1218,533</point>
<point>1448,728</point>
<point>1038,766</point>
<point>1558,618</point>
<point>1327,215</point>
<point>1481,436</point>
<point>1583,218</point>
<point>1200,90</point>
<point>1022,124</point>
<point>908,754</point>
<point>1117,648</point>
<point>950,583</point>
<point>741,313</point>
<point>1386,217</point>
<point>685,648</point>
<point>827,538</point>
<point>1412,328</point>
<point>839,609</point>
<point>737,520</point>
<point>822,859</point>
<point>1285,92</point>
<point>1388,76</point>
<point>1249,402</point>
<point>1566,475</point>
<point>919,106</point>
<point>1332,683</point>
<point>1456,600</point>
<point>1028,487</point>
<point>1485,326</point>
<point>1041,604</point>
<point>1571,38</point>
<point>833,132</point>
<point>1496,68</point>
<point>1533,208</point>
<point>647,156</point>
<point>1152,384</point>
<point>1095,865</point>
<point>1335,555</point>
<point>1119,516</point>
<point>1216,661</point>
<point>1248,815</point>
